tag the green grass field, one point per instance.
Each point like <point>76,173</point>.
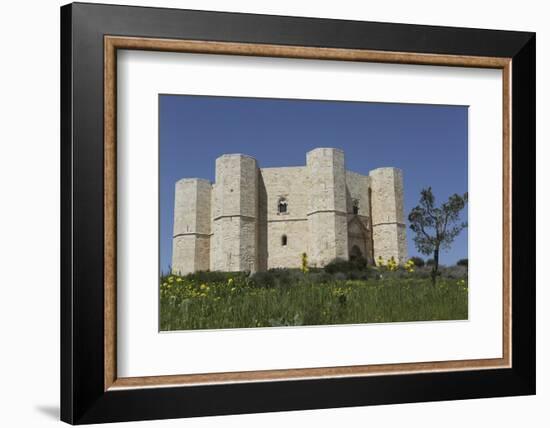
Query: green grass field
<point>213,300</point>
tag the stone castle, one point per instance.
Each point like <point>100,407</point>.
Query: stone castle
<point>253,219</point>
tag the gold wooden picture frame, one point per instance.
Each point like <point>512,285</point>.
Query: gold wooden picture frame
<point>114,43</point>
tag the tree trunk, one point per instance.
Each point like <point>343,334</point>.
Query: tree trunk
<point>435,268</point>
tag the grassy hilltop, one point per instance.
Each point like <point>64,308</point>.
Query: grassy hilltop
<point>341,293</point>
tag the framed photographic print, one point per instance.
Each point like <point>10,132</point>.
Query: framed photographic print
<point>265,213</point>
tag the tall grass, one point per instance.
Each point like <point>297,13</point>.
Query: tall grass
<point>213,300</point>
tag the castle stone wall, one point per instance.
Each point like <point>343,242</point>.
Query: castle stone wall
<point>289,255</point>
<point>388,221</point>
<point>235,214</point>
<point>191,243</point>
<point>291,184</point>
<point>357,189</point>
<point>327,214</point>
<point>235,225</point>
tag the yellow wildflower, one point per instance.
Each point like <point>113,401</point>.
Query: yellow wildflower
<point>304,266</point>
<point>392,264</point>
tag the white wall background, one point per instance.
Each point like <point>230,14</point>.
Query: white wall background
<point>29,213</point>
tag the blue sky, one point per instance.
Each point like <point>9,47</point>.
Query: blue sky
<point>428,142</point>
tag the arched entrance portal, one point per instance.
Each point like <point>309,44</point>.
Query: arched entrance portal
<point>355,253</point>
<point>359,240</point>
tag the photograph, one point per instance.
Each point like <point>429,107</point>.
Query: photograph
<point>298,212</point>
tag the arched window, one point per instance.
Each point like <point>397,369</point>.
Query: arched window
<point>283,240</point>
<point>282,206</point>
<point>355,206</point>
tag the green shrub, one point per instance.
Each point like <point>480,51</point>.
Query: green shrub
<point>455,272</point>
<point>340,276</point>
<point>278,277</point>
<point>209,277</point>
<point>262,280</point>
<point>359,274</point>
<point>422,273</point>
<point>462,262</point>
<point>430,262</point>
<point>418,261</point>
<point>319,277</point>
<point>346,266</point>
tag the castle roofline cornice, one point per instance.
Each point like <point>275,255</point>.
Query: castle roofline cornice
<point>241,155</point>
<point>192,179</point>
<point>381,168</point>
<point>284,167</point>
<point>326,148</point>
<point>356,173</point>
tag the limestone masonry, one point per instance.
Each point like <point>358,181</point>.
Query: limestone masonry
<point>254,219</point>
